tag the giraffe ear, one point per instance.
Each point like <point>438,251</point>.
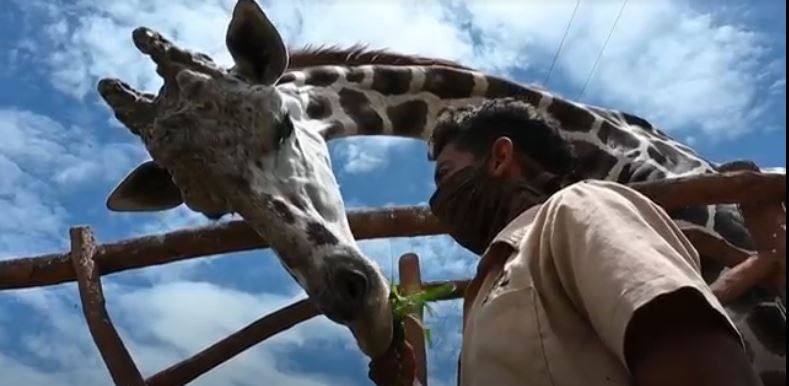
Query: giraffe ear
<point>255,44</point>
<point>147,188</point>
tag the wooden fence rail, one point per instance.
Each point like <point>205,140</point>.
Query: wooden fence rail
<point>761,197</point>
<point>235,236</point>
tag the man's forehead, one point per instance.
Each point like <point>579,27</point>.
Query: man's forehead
<point>453,154</point>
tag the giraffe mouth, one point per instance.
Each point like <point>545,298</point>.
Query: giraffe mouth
<point>351,290</point>
<point>357,296</point>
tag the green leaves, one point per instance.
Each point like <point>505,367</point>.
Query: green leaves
<point>407,306</point>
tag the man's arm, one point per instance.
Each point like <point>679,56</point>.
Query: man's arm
<point>676,340</point>
<point>631,272</point>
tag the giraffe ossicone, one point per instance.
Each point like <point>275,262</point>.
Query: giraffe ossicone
<point>227,141</point>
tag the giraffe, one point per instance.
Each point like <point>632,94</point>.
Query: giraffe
<point>252,140</point>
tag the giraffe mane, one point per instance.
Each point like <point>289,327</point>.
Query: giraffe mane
<point>358,55</point>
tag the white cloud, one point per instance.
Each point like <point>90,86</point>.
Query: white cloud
<point>161,325</point>
<point>85,40</point>
<point>779,86</point>
<point>674,64</point>
<point>359,155</point>
<point>66,155</point>
<point>40,160</point>
<point>440,257</point>
<point>666,61</point>
<point>360,159</point>
<point>774,170</point>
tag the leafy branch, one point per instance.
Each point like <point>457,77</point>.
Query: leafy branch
<point>407,306</point>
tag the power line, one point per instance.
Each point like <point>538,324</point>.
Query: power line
<point>559,49</point>
<point>594,67</point>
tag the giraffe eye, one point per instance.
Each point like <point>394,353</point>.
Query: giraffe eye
<point>283,131</point>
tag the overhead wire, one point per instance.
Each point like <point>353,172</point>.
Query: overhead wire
<point>561,44</point>
<point>600,54</point>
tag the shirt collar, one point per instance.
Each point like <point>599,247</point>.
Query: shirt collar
<point>513,233</point>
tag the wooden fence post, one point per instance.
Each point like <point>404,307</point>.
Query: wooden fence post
<point>120,364</point>
<point>411,282</point>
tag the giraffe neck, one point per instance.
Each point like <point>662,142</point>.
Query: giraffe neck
<point>401,101</point>
<point>404,101</point>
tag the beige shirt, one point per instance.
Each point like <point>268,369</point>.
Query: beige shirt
<point>555,291</point>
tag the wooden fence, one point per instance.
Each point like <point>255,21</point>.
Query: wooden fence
<point>761,198</point>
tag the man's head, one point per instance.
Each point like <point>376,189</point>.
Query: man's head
<point>493,161</point>
<point>509,137</point>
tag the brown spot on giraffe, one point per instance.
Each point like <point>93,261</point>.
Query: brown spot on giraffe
<point>318,107</point>
<point>358,107</point>
<point>671,158</point>
<point>408,118</point>
<point>354,75</point>
<point>282,211</point>
<point>500,88</point>
<point>321,76</point>
<point>643,123</point>
<point>656,155</point>
<point>448,84</point>
<point>392,80</point>
<point>616,137</point>
<point>639,171</point>
<point>319,235</point>
<point>573,118</point>
<point>592,162</point>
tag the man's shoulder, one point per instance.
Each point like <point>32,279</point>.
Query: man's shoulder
<point>594,185</point>
<point>580,197</point>
<point>590,192</point>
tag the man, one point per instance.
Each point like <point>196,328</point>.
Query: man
<point>580,282</point>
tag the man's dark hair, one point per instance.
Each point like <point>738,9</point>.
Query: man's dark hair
<point>534,134</point>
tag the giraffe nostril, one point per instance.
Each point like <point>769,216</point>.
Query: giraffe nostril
<point>352,285</point>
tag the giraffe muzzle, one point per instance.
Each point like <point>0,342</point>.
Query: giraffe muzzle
<point>347,294</point>
<point>352,286</point>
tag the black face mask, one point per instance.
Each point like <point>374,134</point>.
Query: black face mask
<point>475,206</point>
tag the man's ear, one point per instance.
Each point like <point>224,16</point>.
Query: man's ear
<point>502,158</point>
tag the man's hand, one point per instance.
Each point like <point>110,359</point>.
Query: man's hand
<point>396,367</point>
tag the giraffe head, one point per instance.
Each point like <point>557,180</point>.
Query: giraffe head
<point>227,141</point>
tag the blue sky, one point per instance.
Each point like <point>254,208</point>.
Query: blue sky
<point>710,73</point>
